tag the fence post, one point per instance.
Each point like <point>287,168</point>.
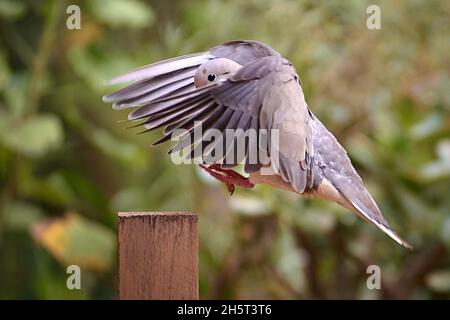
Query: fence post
<point>158,255</point>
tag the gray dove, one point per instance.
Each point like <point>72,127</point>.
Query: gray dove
<point>240,87</point>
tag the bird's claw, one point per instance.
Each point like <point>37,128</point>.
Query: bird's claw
<point>227,176</point>
<point>230,188</point>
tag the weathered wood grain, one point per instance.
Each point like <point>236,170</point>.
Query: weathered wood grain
<point>158,255</point>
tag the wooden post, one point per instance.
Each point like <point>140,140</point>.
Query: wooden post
<point>158,255</point>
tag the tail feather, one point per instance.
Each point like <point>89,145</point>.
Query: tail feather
<point>364,205</point>
<point>340,182</point>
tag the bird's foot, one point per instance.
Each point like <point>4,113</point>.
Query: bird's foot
<point>227,176</point>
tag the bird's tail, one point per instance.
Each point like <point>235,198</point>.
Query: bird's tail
<point>358,197</point>
<point>341,183</point>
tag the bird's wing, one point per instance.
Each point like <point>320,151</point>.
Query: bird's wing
<point>335,166</point>
<point>263,94</point>
<point>175,76</point>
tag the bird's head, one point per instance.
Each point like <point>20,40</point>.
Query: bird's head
<point>214,70</point>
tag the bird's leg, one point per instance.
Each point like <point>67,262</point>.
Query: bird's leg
<point>227,176</point>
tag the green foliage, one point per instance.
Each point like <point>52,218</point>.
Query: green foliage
<point>34,136</point>
<point>118,13</point>
<point>384,93</point>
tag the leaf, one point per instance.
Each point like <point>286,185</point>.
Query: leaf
<point>121,13</point>
<point>441,167</point>
<point>428,126</point>
<point>443,150</point>
<point>124,151</point>
<point>436,170</point>
<point>12,9</point>
<point>106,65</point>
<point>33,136</point>
<point>20,215</point>
<point>73,239</point>
<point>54,189</point>
<point>135,198</point>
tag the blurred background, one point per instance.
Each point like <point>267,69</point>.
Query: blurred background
<point>67,166</point>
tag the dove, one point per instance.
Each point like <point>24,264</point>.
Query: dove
<point>246,86</point>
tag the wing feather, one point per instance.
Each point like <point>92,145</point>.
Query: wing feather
<point>263,94</point>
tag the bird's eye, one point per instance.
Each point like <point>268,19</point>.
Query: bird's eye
<point>211,77</point>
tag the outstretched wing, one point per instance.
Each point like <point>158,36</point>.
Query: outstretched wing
<point>263,94</point>
<point>175,76</point>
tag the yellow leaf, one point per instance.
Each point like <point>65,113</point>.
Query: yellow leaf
<point>73,239</point>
